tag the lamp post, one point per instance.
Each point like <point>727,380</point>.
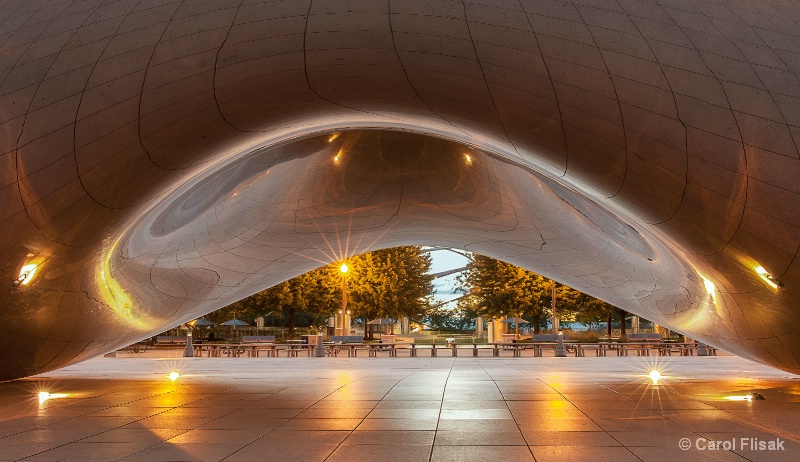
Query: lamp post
<point>343,313</point>
<point>188,350</point>
<point>561,351</point>
<point>555,316</point>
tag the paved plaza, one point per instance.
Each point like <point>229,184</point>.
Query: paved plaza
<point>402,409</point>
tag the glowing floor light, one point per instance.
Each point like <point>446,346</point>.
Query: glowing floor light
<point>750,397</point>
<point>655,376</point>
<point>45,396</point>
<point>173,376</point>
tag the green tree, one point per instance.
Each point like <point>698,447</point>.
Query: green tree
<point>500,289</point>
<point>594,311</point>
<point>386,283</point>
<point>389,283</point>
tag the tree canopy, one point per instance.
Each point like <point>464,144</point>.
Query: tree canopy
<point>497,289</point>
<point>387,283</point>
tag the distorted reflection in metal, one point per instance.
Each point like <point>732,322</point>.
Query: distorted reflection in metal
<point>114,295</point>
<point>603,177</point>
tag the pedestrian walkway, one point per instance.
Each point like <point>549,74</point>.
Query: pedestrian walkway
<point>401,409</point>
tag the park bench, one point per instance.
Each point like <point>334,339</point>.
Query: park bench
<point>600,349</point>
<point>546,342</point>
<point>170,340</point>
<point>258,339</point>
<point>640,343</point>
<point>551,338</point>
<point>347,339</point>
<point>643,337</point>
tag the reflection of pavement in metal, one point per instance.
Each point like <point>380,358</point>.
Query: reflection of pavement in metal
<point>398,410</point>
<point>159,162</point>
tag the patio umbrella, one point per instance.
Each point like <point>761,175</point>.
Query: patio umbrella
<point>515,320</point>
<point>203,322</point>
<point>235,323</point>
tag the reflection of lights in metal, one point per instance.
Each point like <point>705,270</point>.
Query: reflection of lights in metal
<point>44,396</point>
<point>749,397</point>
<point>114,294</point>
<point>26,274</point>
<point>766,277</point>
<point>711,288</point>
<point>468,159</point>
<point>173,376</point>
<point>655,376</point>
<point>333,137</point>
<point>344,269</point>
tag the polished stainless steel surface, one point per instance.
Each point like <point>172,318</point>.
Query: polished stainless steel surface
<point>159,160</point>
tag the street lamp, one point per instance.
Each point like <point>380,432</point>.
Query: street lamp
<point>556,327</point>
<point>344,311</point>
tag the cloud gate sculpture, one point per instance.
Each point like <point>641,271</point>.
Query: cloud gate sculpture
<point>163,159</point>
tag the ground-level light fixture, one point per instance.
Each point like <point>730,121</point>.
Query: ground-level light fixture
<point>173,376</point>
<point>45,396</point>
<point>749,397</point>
<point>655,376</point>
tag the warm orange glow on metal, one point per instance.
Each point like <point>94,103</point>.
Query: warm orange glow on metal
<point>655,376</point>
<point>173,376</point>
<point>114,295</point>
<point>26,273</point>
<point>468,158</point>
<point>333,137</point>
<point>739,398</point>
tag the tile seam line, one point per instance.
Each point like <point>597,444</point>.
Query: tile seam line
<point>441,405</point>
<point>373,408</point>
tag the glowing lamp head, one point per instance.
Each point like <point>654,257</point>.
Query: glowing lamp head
<point>344,269</point>
<point>655,376</point>
<point>173,376</point>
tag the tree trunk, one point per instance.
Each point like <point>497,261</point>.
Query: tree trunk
<point>622,314</point>
<point>536,320</point>
<point>608,324</point>
<point>291,322</point>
